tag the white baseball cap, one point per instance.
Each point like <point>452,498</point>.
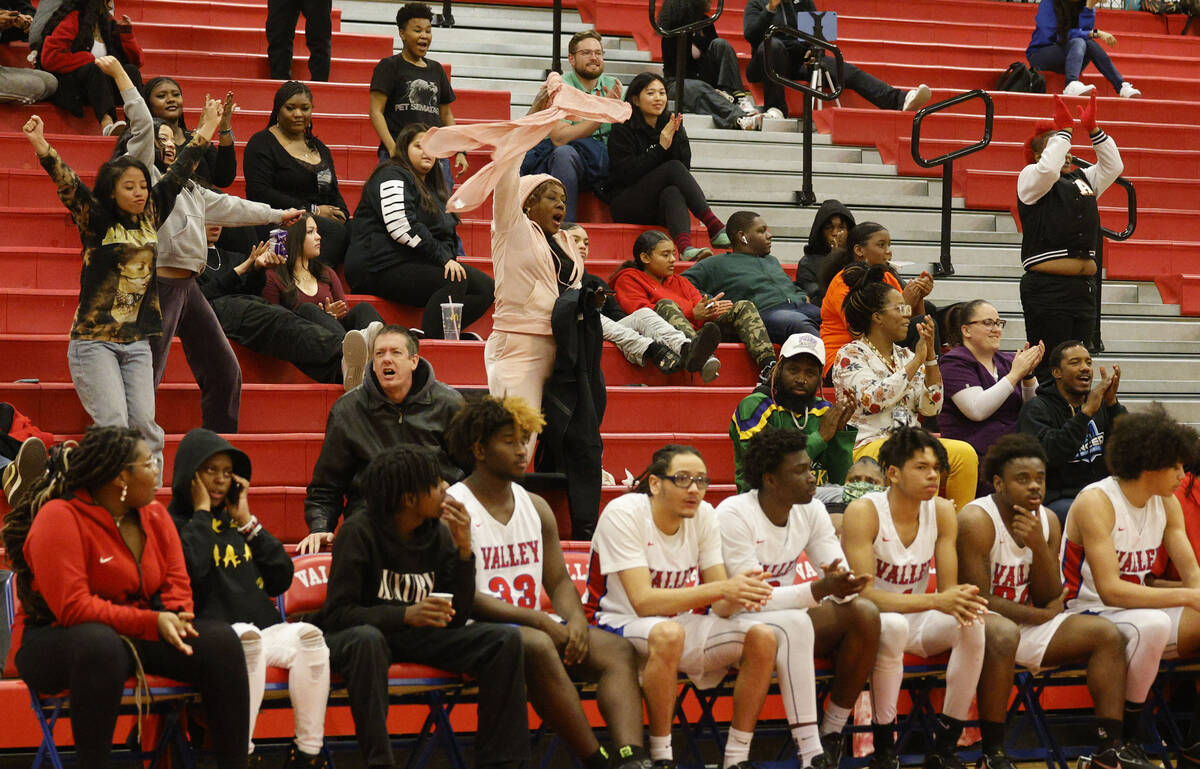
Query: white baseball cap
<point>798,344</point>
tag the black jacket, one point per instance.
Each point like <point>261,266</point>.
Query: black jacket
<point>391,227</point>
<point>376,574</point>
<point>574,401</point>
<point>362,423</point>
<point>233,576</point>
<point>634,151</point>
<point>611,309</point>
<point>1074,442</point>
<point>220,276</point>
<point>701,38</point>
<point>758,18</point>
<point>808,271</point>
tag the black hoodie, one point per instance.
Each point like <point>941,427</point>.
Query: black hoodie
<point>815,251</point>
<point>233,576</point>
<point>364,422</point>
<point>1074,442</point>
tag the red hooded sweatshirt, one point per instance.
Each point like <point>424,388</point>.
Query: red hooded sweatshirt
<point>86,572</point>
<point>637,289</point>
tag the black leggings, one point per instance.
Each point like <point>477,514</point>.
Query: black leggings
<point>92,88</point>
<point>93,662</point>
<point>662,197</point>
<point>360,316</point>
<point>421,284</point>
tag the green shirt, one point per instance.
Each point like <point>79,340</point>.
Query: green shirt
<point>830,461</point>
<point>603,83</point>
<point>760,279</point>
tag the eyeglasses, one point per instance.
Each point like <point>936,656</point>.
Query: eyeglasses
<point>904,309</point>
<point>685,480</point>
<point>590,53</point>
<point>153,463</point>
<point>989,323</point>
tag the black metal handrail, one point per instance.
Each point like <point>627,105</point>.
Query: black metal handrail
<point>945,266</point>
<point>681,43</point>
<point>1131,198</point>
<point>556,38</point>
<point>806,196</point>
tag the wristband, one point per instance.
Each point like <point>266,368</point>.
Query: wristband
<point>930,363</point>
<point>226,132</point>
<point>251,529</point>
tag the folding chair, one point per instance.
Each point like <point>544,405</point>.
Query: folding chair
<point>166,700</point>
<point>408,684</point>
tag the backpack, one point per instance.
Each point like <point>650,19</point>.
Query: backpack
<point>1020,78</point>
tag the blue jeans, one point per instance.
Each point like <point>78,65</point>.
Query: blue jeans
<point>115,384</point>
<point>1070,59</point>
<point>579,165</point>
<point>783,320</point>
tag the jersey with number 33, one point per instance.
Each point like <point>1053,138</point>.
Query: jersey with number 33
<point>508,557</point>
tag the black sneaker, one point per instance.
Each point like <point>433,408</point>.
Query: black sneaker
<point>834,745</point>
<point>764,372</point>
<point>744,765</point>
<point>663,357</point>
<point>995,759</point>
<point>821,761</point>
<point>943,759</point>
<point>1131,755</point>
<point>702,347</point>
<point>298,759</point>
<point>1189,757</point>
<point>884,758</point>
<point>663,763</point>
<point>635,763</point>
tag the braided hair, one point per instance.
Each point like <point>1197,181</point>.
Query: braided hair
<point>285,92</point>
<point>480,419</point>
<point>659,464</point>
<point>868,293</point>
<point>396,474</point>
<point>95,461</point>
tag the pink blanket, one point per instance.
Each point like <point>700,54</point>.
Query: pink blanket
<point>511,139</point>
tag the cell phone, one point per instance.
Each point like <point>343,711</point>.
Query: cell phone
<point>234,494</point>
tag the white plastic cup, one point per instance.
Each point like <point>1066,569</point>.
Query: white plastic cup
<point>449,597</point>
<point>451,320</point>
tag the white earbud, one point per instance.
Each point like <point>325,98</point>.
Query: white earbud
<point>744,239</point>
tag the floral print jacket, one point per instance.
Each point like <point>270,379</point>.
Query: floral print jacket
<point>886,397</point>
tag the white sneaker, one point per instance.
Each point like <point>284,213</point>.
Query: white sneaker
<point>354,359</point>
<point>750,122</point>
<point>1076,88</point>
<point>774,113</point>
<point>917,98</point>
<point>746,102</point>
<point>1128,91</point>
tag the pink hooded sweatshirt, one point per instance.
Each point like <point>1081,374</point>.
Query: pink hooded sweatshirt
<point>522,261</point>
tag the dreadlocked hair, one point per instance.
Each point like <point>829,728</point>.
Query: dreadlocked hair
<point>766,450</point>
<point>868,293</point>
<point>97,459</point>
<point>482,418</point>
<point>659,464</point>
<point>396,476</point>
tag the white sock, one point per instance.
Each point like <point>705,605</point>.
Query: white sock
<point>737,747</point>
<point>660,748</point>
<point>835,718</point>
<point>809,741</point>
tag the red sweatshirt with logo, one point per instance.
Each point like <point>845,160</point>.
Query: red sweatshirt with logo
<point>86,572</point>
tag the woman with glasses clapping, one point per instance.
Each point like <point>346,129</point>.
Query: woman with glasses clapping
<point>984,386</point>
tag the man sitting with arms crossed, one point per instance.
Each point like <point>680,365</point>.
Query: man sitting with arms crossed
<point>1008,548</point>
<point>1115,535</point>
<point>769,529</point>
<point>895,535</point>
<point>517,549</point>
<point>656,558</point>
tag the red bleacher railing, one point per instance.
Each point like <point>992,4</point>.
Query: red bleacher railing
<point>945,266</point>
<point>806,196</point>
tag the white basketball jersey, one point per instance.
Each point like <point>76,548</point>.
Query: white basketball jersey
<point>508,557</point>
<point>1137,536</point>
<point>900,569</point>
<point>1010,562</point>
<point>750,541</point>
<point>626,538</point>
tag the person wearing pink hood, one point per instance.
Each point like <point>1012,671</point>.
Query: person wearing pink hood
<point>533,260</point>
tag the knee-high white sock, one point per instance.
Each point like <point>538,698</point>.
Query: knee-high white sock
<point>308,687</point>
<point>962,671</point>
<point>888,673</point>
<point>737,747</point>
<point>256,674</point>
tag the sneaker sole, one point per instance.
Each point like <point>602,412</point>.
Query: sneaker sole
<point>354,357</point>
<point>30,463</point>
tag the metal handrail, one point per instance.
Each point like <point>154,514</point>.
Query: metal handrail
<point>945,266</point>
<point>806,196</point>
<point>681,43</point>
<point>1131,198</point>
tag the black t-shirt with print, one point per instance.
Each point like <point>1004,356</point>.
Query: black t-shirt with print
<point>414,94</point>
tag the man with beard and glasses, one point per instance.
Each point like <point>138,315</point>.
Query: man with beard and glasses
<point>576,153</point>
<point>789,400</point>
<point>1071,419</point>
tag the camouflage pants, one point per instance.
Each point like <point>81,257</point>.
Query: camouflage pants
<point>741,324</point>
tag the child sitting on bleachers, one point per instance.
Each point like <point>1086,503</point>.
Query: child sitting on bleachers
<point>236,566</point>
